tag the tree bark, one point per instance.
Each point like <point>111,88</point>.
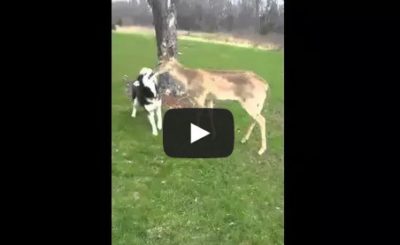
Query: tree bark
<point>165,25</point>
<point>257,17</point>
<point>165,21</point>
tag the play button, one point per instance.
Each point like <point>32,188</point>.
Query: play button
<point>197,133</point>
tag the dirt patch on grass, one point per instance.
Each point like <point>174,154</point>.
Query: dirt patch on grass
<point>135,29</point>
<point>271,41</point>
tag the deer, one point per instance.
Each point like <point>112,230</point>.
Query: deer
<point>204,86</point>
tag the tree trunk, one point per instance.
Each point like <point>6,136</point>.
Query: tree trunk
<point>164,20</point>
<point>257,17</point>
<point>165,25</point>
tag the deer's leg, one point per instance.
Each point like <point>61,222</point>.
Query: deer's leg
<point>254,108</point>
<point>261,122</point>
<point>253,112</point>
<point>159,117</point>
<point>249,131</point>
<point>201,100</point>
<point>210,105</point>
<point>201,103</point>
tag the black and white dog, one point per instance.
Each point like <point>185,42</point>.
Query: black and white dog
<point>145,92</point>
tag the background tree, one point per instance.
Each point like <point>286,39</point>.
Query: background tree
<point>165,21</point>
<point>270,18</point>
<point>165,25</point>
<point>257,17</point>
<point>119,22</point>
<point>238,16</point>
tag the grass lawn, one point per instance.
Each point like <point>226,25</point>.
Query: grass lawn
<point>161,200</point>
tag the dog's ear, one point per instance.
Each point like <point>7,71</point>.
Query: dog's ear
<point>161,59</point>
<point>145,70</point>
<point>155,79</point>
<point>152,75</point>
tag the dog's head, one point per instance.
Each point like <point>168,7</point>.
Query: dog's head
<point>145,70</point>
<point>148,79</point>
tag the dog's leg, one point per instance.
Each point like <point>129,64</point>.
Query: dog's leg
<point>152,122</point>
<point>134,105</point>
<point>159,117</point>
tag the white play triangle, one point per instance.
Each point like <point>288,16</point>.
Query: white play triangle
<point>197,133</point>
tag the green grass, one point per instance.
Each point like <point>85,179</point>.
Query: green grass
<point>162,200</point>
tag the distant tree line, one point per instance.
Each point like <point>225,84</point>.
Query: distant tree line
<point>262,16</point>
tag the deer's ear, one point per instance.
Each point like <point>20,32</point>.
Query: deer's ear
<point>163,57</point>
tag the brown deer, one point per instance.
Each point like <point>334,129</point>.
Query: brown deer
<point>204,86</point>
